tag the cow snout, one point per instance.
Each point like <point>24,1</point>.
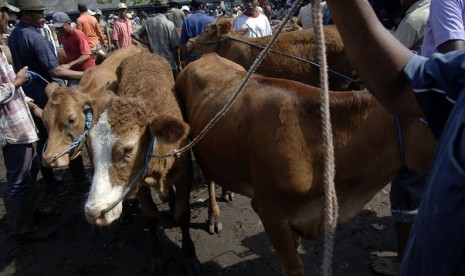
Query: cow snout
<point>93,212</point>
<point>49,162</point>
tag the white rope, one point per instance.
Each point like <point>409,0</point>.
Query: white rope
<point>331,208</point>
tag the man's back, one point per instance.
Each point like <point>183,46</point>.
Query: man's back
<point>90,27</point>
<point>194,25</point>
<point>176,16</point>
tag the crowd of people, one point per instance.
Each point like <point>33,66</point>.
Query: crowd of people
<point>411,42</point>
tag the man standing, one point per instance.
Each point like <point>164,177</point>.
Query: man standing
<point>191,27</point>
<point>75,45</point>
<point>256,23</point>
<point>89,26</point>
<point>29,48</point>
<point>162,35</point>
<point>18,135</point>
<point>175,15</point>
<point>122,28</point>
<point>103,28</point>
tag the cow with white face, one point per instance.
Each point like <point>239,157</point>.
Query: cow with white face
<point>142,119</point>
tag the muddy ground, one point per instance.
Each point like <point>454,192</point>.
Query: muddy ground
<point>241,249</point>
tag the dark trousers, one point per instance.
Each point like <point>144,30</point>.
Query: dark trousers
<point>22,167</point>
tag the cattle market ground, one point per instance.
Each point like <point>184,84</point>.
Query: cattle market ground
<point>242,248</point>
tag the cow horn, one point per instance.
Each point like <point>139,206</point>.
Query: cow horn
<point>50,88</point>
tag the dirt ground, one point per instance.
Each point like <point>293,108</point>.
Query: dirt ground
<point>241,249</point>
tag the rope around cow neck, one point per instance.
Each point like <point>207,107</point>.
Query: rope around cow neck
<point>290,56</point>
<point>331,206</point>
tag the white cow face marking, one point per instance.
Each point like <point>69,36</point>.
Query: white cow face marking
<point>118,158</point>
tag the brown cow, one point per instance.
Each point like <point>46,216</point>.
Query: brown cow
<point>233,45</point>
<point>64,114</point>
<point>268,146</point>
<point>144,109</point>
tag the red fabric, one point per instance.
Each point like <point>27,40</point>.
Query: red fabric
<point>75,44</point>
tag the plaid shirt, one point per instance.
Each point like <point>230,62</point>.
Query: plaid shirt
<point>16,124</point>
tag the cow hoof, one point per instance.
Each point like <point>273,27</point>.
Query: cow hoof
<point>228,196</point>
<point>215,225</point>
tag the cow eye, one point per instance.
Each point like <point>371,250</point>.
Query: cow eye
<point>71,120</point>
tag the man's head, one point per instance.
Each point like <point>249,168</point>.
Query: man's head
<point>5,9</point>
<point>32,12</point>
<point>174,4</point>
<point>250,6</point>
<point>186,10</point>
<point>161,6</point>
<point>82,7</point>
<point>122,8</point>
<point>62,23</point>
<point>196,5</point>
<point>98,14</point>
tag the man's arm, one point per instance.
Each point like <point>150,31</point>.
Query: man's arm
<point>451,45</point>
<point>79,60</point>
<point>63,73</point>
<point>376,55</point>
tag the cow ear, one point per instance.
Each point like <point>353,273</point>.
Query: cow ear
<point>168,129</point>
<point>224,27</point>
<point>50,88</point>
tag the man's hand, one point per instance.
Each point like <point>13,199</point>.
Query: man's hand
<point>21,78</point>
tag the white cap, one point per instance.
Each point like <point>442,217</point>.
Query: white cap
<point>122,6</point>
<point>129,16</point>
<point>185,8</point>
<point>90,12</point>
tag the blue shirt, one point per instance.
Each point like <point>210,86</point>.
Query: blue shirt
<point>29,48</point>
<point>194,25</point>
<point>436,245</point>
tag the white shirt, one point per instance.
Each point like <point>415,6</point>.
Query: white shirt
<point>257,26</point>
<point>306,16</point>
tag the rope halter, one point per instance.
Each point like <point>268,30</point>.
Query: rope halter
<point>135,180</point>
<point>77,142</point>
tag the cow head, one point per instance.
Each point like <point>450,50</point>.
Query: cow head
<point>207,41</point>
<point>64,117</point>
<point>120,142</point>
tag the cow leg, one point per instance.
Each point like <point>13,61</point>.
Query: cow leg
<point>282,237</point>
<point>214,217</point>
<point>182,215</point>
<point>151,215</point>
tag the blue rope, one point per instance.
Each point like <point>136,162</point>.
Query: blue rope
<point>33,75</point>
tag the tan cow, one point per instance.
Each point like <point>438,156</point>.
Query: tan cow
<point>268,146</point>
<point>144,109</point>
<point>64,114</point>
<point>302,44</point>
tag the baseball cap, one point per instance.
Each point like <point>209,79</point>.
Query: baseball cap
<point>185,8</point>
<point>99,12</point>
<point>59,19</point>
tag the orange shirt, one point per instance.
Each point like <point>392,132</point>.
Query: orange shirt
<point>89,26</point>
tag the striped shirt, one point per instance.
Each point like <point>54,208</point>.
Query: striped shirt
<point>16,124</point>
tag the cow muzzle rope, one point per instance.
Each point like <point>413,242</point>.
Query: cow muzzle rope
<point>76,145</point>
<point>78,142</point>
<point>132,185</point>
